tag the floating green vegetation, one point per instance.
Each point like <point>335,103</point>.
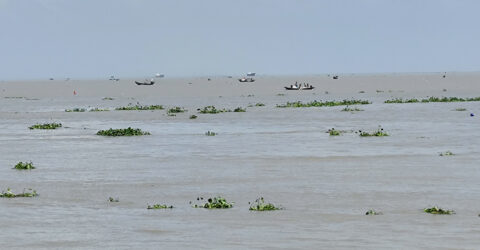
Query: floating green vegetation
<point>210,133</point>
<point>373,212</point>
<point>24,166</point>
<point>333,132</point>
<point>123,132</point>
<point>348,109</point>
<point>46,126</point>
<point>214,203</point>
<point>460,109</point>
<point>280,94</point>
<point>437,210</point>
<point>400,100</point>
<point>379,91</point>
<point>448,153</point>
<point>75,110</point>
<point>239,109</point>
<point>379,132</point>
<point>140,107</point>
<point>259,104</point>
<point>158,206</point>
<point>299,104</point>
<point>193,117</point>
<point>176,110</point>
<point>434,99</point>
<point>10,194</point>
<point>107,99</point>
<point>212,110</point>
<point>260,205</point>
<point>98,110</point>
<point>14,97</point>
<point>361,92</point>
<point>111,199</point>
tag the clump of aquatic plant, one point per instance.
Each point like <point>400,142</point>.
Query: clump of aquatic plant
<point>280,94</point>
<point>122,132</point>
<point>333,132</point>
<point>111,199</point>
<point>373,212</point>
<point>176,110</point>
<point>239,109</point>
<point>212,110</point>
<point>140,107</point>
<point>210,133</point>
<point>107,99</point>
<point>259,104</point>
<point>193,117</point>
<point>361,92</point>
<point>46,126</point>
<point>400,100</point>
<point>24,166</point>
<point>437,210</point>
<point>14,97</point>
<point>75,110</point>
<point>378,132</point>
<point>379,91</point>
<point>261,205</point>
<point>460,109</point>
<point>315,103</point>
<point>158,206</point>
<point>10,194</point>
<point>98,110</point>
<point>348,109</point>
<point>447,153</point>
<point>214,203</point>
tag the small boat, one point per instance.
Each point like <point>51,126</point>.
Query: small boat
<point>145,83</point>
<point>297,87</point>
<point>246,79</point>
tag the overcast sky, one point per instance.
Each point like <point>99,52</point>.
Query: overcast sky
<point>130,38</point>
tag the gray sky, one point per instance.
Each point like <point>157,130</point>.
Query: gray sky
<point>130,38</point>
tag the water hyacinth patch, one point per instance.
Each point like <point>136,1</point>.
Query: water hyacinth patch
<point>261,205</point>
<point>176,110</point>
<point>373,212</point>
<point>379,132</point>
<point>437,210</point>
<point>214,203</point>
<point>212,110</point>
<point>315,103</point>
<point>123,132</point>
<point>46,126</point>
<point>239,109</point>
<point>460,109</point>
<point>10,194</point>
<point>107,99</point>
<point>98,110</point>
<point>333,132</point>
<point>434,99</point>
<point>111,199</point>
<point>210,133</point>
<point>24,166</point>
<point>158,206</point>
<point>348,109</point>
<point>447,153</point>
<point>193,117</point>
<point>140,107</point>
<point>75,110</point>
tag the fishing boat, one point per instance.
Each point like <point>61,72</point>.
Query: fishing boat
<point>151,82</point>
<point>300,87</point>
<point>246,79</point>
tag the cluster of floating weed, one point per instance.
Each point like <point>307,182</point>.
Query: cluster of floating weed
<point>107,99</point>
<point>333,132</point>
<point>10,194</point>
<point>140,107</point>
<point>76,110</point>
<point>214,203</point>
<point>193,117</point>
<point>176,110</point>
<point>212,110</point>
<point>46,126</point>
<point>434,99</point>
<point>460,109</point>
<point>437,210</point>
<point>378,132</point>
<point>24,166</point>
<point>348,109</point>
<point>158,206</point>
<point>373,212</point>
<point>447,153</point>
<point>239,109</point>
<point>98,110</point>
<point>122,132</point>
<point>210,133</point>
<point>111,199</point>
<point>299,104</point>
<point>261,205</point>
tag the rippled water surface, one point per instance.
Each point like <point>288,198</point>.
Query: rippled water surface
<point>325,183</point>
